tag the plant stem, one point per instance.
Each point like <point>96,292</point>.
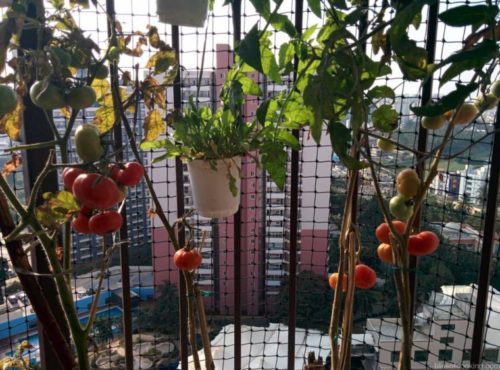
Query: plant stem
<point>192,324</point>
<point>209,361</point>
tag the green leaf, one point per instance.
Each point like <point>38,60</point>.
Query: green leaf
<point>269,65</point>
<point>468,15</point>
<point>249,86</point>
<point>385,118</point>
<point>249,49</point>
<point>340,4</point>
<point>263,7</point>
<point>281,23</point>
<point>381,92</point>
<point>152,145</point>
<point>448,102</point>
<point>274,160</point>
<point>485,50</point>
<point>287,138</point>
<point>341,139</point>
<point>286,54</point>
<point>456,68</point>
<point>398,32</point>
<point>315,6</point>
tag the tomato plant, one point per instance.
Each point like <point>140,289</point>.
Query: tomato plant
<point>364,276</point>
<point>131,174</point>
<point>105,222</point>
<point>383,232</point>
<point>47,95</point>
<point>187,259</point>
<point>333,280</point>
<point>81,97</point>
<point>401,207</point>
<point>96,191</point>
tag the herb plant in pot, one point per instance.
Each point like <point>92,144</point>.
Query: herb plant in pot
<point>191,13</point>
<point>212,144</point>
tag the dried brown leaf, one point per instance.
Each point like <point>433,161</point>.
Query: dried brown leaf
<point>12,165</point>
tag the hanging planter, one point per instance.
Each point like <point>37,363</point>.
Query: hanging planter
<point>190,13</point>
<point>212,195</point>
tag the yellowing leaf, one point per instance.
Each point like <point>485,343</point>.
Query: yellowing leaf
<point>11,165</point>
<point>162,61</point>
<point>12,122</point>
<point>104,118</point>
<point>101,87</point>
<point>66,112</point>
<point>154,125</point>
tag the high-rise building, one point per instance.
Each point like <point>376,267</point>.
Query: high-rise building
<point>264,242</point>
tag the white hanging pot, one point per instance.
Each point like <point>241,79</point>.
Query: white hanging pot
<point>212,196</point>
<point>191,13</point>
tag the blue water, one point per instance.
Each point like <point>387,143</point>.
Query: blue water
<point>34,353</point>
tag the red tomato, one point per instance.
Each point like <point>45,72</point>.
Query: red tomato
<point>81,223</point>
<point>364,277</point>
<point>382,232</point>
<point>332,280</point>
<point>131,174</point>
<point>384,252</point>
<point>114,171</point>
<point>96,191</point>
<point>423,243</point>
<point>105,222</point>
<point>69,175</point>
<point>187,259</point>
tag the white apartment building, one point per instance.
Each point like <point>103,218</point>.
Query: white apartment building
<point>443,331</point>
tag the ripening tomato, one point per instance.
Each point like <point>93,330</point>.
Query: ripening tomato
<point>364,277</point>
<point>401,207</point>
<point>69,175</point>
<point>333,279</point>
<point>423,244</point>
<point>96,191</point>
<point>114,171</point>
<point>382,232</point>
<point>131,174</point>
<point>105,222</point>
<point>187,259</point>
<point>81,223</point>
<point>408,183</point>
<point>384,252</point>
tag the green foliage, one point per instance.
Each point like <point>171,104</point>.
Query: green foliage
<point>466,15</point>
<point>163,317</point>
<point>314,297</point>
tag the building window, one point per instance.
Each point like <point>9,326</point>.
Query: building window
<point>445,355</point>
<point>490,354</point>
<point>395,356</point>
<point>447,340</point>
<point>448,327</point>
<point>421,356</point>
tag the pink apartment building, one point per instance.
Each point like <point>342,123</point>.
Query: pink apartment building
<point>264,214</point>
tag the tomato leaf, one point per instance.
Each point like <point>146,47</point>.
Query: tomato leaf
<point>154,125</point>
<point>385,118</point>
<point>341,139</point>
<point>11,123</point>
<point>448,102</point>
<point>466,15</point>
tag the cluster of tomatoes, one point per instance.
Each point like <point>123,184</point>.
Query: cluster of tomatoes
<point>98,194</point>
<point>421,244</point>
<point>187,259</point>
<point>407,184</point>
<point>364,278</point>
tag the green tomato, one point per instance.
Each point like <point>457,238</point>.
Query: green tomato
<point>433,123</point>
<point>81,97</point>
<point>100,71</point>
<point>401,207</point>
<point>63,56</point>
<point>114,54</point>
<point>47,96</point>
<point>385,145</point>
<point>88,143</point>
<point>8,100</point>
<point>495,89</point>
<point>488,101</point>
